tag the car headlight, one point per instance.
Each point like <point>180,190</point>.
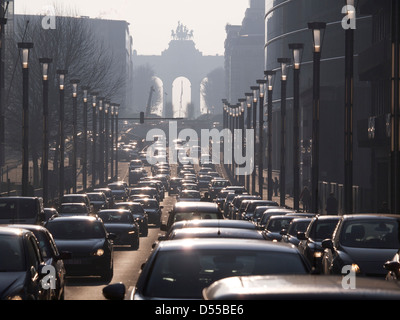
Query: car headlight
<point>131,232</point>
<point>15,297</point>
<point>318,254</point>
<point>355,268</point>
<point>99,252</point>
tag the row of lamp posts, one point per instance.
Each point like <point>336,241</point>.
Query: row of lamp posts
<point>102,110</point>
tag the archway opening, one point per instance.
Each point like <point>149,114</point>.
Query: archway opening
<point>181,97</point>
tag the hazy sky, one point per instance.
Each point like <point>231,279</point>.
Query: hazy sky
<point>152,20</point>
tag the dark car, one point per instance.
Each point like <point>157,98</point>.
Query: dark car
<point>236,202</point>
<point>135,175</point>
<point>151,192</point>
<point>181,269</point>
<point>88,242</point>
<point>121,223</point>
<point>319,229</point>
<point>77,198</point>
<point>192,211</point>
<point>108,193</point>
<point>26,210</point>
<point>393,267</point>
<point>297,225</point>
<point>50,212</point>
<point>189,195</point>
<point>216,185</point>
<point>253,204</point>
<point>299,287</point>
<point>364,242</point>
<point>118,190</point>
<point>174,184</point>
<point>204,180</point>
<point>153,210</point>
<point>21,266</point>
<point>98,200</point>
<point>51,256</point>
<point>139,214</point>
<point>215,232</point>
<point>261,224</point>
<point>73,209</point>
<point>275,226</point>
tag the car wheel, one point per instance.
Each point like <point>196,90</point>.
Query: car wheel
<point>107,275</point>
<point>135,243</point>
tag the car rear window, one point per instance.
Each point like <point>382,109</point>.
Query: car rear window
<point>75,230</point>
<point>11,253</point>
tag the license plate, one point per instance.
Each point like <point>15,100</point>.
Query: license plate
<point>75,261</point>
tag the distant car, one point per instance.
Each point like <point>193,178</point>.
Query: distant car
<point>121,223</point>
<point>138,213</point>
<point>204,180</point>
<point>275,226</point>
<point>73,209</point>
<point>21,266</point>
<point>190,210</point>
<point>236,202</point>
<point>119,190</point>
<point>319,229</point>
<point>189,186</point>
<point>364,242</point>
<point>297,225</point>
<point>253,204</point>
<point>181,269</point>
<point>215,232</point>
<point>26,210</point>
<point>108,193</point>
<point>51,256</point>
<point>49,212</point>
<point>174,183</point>
<point>89,243</point>
<point>77,198</point>
<point>299,287</point>
<point>269,213</point>
<point>151,192</point>
<point>189,195</point>
<point>98,200</point>
<point>216,185</point>
<point>153,210</point>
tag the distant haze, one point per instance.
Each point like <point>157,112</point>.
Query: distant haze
<point>151,21</point>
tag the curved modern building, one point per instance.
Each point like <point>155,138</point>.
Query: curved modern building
<point>286,21</point>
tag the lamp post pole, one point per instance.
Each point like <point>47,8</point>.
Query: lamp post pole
<point>261,138</point>
<point>25,47</point>
<point>241,124</point>
<point>75,133</point>
<point>271,80</point>
<point>61,143</point>
<point>45,157</point>
<point>116,110</point>
<point>85,137</point>
<point>249,98</point>
<point>296,49</point>
<point>317,31</point>
<point>106,138</point>
<point>112,140</point>
<point>254,127</point>
<point>282,179</point>
<point>94,138</point>
<point>101,133</point>
<point>3,22</point>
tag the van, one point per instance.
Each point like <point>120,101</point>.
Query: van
<point>21,210</point>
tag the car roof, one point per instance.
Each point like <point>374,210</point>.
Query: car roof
<point>214,222</point>
<point>216,232</point>
<point>226,244</point>
<point>81,204</point>
<point>301,287</point>
<point>195,205</point>
<point>5,230</point>
<point>114,210</point>
<point>76,218</point>
<point>74,195</point>
<point>371,216</point>
<point>29,227</point>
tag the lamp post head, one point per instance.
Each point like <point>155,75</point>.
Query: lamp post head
<point>318,32</point>
<point>62,74</point>
<point>25,47</point>
<point>255,95</point>
<point>262,84</point>
<point>297,51</point>
<point>284,62</point>
<point>249,98</point>
<point>85,93</point>
<point>75,83</point>
<point>270,77</point>
<point>45,67</point>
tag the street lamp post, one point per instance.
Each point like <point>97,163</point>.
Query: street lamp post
<point>106,138</point>
<point>282,179</point>
<point>112,140</point>
<point>85,130</point>
<point>262,84</point>
<point>249,99</point>
<point>74,83</point>
<point>255,90</point>
<point>116,111</point>
<point>101,134</point>
<point>297,50</point>
<point>270,75</point>
<point>94,138</point>
<point>25,48</point>
<point>3,22</point>
<point>318,32</point>
<point>61,184</point>
<point>242,102</point>
<point>45,157</point>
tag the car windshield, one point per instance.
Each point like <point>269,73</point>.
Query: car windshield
<point>76,230</point>
<point>190,195</point>
<point>73,209</point>
<point>72,199</point>
<point>195,216</point>
<point>298,226</point>
<point>135,208</point>
<point>11,253</point>
<point>322,229</point>
<point>276,225</point>
<point>382,234</point>
<point>183,274</point>
<point>17,208</point>
<point>116,217</point>
<point>149,204</point>
<point>96,197</point>
<point>116,187</point>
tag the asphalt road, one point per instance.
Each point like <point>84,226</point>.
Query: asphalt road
<point>127,262</point>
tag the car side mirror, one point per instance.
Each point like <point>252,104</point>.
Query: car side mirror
<point>114,291</point>
<point>392,266</point>
<point>301,236</point>
<point>327,244</point>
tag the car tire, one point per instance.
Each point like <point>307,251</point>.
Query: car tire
<point>108,274</point>
<point>135,243</point>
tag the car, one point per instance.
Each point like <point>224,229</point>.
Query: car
<point>192,211</point>
<point>393,268</point>
<point>88,242</point>
<point>251,206</point>
<point>108,193</point>
<point>51,256</point>
<point>150,192</point>
<point>297,225</point>
<point>298,287</point>
<point>21,266</point>
<point>189,186</point>
<point>259,211</point>
<point>181,269</point>
<point>237,201</point>
<point>221,197</point>
<point>216,185</point>
<point>174,184</point>
<point>215,232</point>
<point>121,223</point>
<point>189,195</point>
<point>275,225</point>
<point>49,212</point>
<point>138,213</point>
<point>363,241</point>
<point>153,210</point>
<point>73,209</point>
<point>269,213</point>
<point>118,190</point>
<point>98,200</point>
<point>26,210</point>
<point>319,229</point>
<point>135,164</point>
<point>77,198</point>
<point>135,175</point>
<point>204,180</point>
